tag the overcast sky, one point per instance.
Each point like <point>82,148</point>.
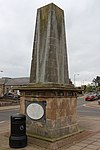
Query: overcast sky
<point>17,25</point>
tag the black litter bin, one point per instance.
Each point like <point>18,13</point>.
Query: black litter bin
<point>18,137</point>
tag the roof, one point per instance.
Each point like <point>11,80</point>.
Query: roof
<point>18,81</point>
<point>3,80</point>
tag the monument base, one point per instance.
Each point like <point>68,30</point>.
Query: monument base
<point>59,106</point>
<point>59,143</point>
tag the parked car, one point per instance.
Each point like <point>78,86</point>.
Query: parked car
<point>98,95</point>
<point>95,96</point>
<point>90,97</point>
<point>10,95</point>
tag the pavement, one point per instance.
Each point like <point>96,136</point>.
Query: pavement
<point>9,107</point>
<point>89,139</point>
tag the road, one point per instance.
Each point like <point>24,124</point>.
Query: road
<point>82,110</point>
<point>5,114</point>
<point>5,119</point>
<point>88,118</point>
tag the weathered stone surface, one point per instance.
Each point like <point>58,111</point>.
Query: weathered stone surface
<point>60,116</point>
<point>49,79</point>
<point>49,59</point>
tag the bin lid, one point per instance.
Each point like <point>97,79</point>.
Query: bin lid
<point>18,117</point>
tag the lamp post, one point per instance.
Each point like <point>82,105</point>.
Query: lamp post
<point>1,70</point>
<point>2,86</point>
<point>75,78</point>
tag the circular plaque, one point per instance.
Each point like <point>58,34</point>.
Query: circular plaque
<point>35,111</point>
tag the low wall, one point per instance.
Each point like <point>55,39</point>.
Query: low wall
<point>8,102</point>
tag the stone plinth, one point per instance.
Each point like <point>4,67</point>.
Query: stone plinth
<point>60,113</point>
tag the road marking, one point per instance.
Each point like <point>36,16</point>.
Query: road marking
<point>85,105</point>
<point>2,122</point>
<point>79,106</point>
<point>15,109</point>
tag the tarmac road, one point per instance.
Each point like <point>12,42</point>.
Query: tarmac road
<point>88,114</point>
<point>84,110</point>
<point>5,114</point>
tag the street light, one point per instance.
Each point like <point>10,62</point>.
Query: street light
<point>75,78</point>
<point>1,71</point>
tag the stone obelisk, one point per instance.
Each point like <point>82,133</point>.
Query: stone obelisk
<point>49,101</point>
<point>49,60</point>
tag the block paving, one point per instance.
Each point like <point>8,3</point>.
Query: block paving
<point>85,141</point>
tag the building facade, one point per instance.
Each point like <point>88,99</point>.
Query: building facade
<point>8,84</point>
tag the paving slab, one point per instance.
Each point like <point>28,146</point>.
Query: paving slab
<point>32,145</point>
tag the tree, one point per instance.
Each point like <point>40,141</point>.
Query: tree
<point>96,81</point>
<point>89,88</point>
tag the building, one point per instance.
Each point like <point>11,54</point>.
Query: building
<point>8,84</point>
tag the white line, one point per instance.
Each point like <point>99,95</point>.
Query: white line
<point>8,110</point>
<point>2,122</point>
<point>91,106</point>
